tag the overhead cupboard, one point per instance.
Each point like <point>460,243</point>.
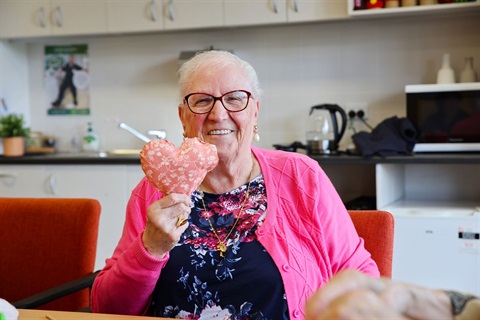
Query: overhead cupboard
<point>182,14</point>
<point>245,12</point>
<point>36,18</point>
<point>43,18</point>
<point>32,18</point>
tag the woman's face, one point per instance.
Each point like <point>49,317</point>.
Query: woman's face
<point>231,132</point>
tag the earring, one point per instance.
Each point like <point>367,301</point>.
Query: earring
<point>184,136</point>
<point>256,136</point>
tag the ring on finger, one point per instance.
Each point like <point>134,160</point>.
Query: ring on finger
<point>181,220</point>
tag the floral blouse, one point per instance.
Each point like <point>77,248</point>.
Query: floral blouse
<point>199,283</point>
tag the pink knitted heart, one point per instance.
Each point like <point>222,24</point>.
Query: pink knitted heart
<point>179,170</point>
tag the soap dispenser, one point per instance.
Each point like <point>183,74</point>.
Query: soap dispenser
<point>90,140</point>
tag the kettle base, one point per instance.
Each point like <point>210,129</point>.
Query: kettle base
<point>321,147</point>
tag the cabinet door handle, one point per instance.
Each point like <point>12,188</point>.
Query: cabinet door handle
<point>295,5</point>
<point>171,11</point>
<point>153,11</point>
<point>52,185</point>
<point>41,17</point>
<point>275,7</point>
<point>58,16</point>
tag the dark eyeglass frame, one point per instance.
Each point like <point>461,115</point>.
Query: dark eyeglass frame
<point>215,99</point>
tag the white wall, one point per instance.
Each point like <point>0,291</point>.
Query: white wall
<point>13,80</point>
<point>347,62</point>
<point>14,77</point>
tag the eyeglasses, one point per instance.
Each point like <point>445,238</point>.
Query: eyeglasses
<point>233,101</point>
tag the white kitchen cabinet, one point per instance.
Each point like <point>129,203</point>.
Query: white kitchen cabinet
<point>247,12</point>
<point>71,17</point>
<point>188,14</point>
<point>23,181</point>
<point>32,18</point>
<point>134,16</point>
<point>24,18</point>
<point>303,10</point>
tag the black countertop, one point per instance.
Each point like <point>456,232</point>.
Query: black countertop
<point>118,159</point>
<point>419,158</point>
<point>73,158</point>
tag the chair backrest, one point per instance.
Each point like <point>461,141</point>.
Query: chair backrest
<point>45,242</point>
<point>376,228</point>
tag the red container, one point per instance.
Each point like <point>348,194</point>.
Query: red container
<point>375,4</point>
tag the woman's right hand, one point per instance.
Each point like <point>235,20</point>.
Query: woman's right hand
<point>161,232</point>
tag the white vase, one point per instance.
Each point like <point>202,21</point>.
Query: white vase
<point>446,73</point>
<point>468,73</point>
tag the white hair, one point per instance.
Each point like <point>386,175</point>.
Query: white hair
<point>217,59</point>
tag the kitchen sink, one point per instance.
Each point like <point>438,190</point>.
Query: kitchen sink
<point>122,152</point>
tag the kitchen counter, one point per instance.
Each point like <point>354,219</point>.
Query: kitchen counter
<point>131,158</point>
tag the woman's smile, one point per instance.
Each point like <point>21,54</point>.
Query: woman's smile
<point>219,132</point>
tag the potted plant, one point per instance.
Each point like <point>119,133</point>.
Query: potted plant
<point>13,131</point>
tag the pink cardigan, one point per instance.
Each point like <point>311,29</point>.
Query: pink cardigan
<point>307,231</point>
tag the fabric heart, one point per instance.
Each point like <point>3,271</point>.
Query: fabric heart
<point>177,170</point>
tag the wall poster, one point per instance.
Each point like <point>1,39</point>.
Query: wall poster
<point>67,79</point>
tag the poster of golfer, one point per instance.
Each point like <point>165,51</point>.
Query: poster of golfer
<point>67,79</point>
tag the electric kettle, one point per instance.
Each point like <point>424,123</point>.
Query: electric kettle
<point>323,133</point>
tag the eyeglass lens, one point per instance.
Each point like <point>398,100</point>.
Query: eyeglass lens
<point>232,101</point>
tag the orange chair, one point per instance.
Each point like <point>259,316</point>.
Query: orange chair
<point>376,228</point>
<point>44,243</point>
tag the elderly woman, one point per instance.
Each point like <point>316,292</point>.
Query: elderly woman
<point>265,229</point>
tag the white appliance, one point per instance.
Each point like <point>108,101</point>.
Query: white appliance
<point>437,247</point>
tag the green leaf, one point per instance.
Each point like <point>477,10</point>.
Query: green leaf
<point>13,125</point>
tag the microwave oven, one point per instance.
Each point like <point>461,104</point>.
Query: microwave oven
<point>447,116</point>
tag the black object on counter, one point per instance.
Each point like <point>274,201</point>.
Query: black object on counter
<point>392,137</point>
<point>291,147</point>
